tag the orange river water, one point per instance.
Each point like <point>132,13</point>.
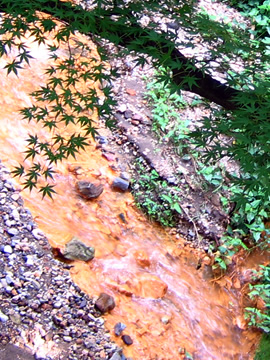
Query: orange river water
<point>167,305</point>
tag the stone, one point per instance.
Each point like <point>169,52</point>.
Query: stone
<point>116,356</point>
<point>13,231</point>
<point>105,303</point>
<point>13,352</point>
<point>127,339</point>
<point>141,258</point>
<point>122,108</point>
<point>131,92</point>
<point>119,328</point>
<point>77,250</point>
<point>120,184</point>
<point>7,249</point>
<point>38,234</point>
<point>89,190</point>
<point>128,114</point>
<point>3,317</point>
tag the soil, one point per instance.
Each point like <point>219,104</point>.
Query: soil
<point>203,220</point>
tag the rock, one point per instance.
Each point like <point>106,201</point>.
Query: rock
<point>13,231</point>
<point>128,114</point>
<point>131,92</point>
<point>141,258</point>
<point>150,286</point>
<point>7,249</point>
<point>29,261</point>
<point>118,328</point>
<point>125,176</point>
<point>77,250</point>
<point>108,156</point>
<point>89,190</point>
<point>38,234</point>
<point>122,108</point>
<point>13,352</point>
<point>105,303</point>
<point>120,184</point>
<point>116,356</point>
<point>3,317</point>
<point>102,140</point>
<point>127,339</point>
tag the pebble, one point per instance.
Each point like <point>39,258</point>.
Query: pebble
<point>127,339</point>
<point>3,317</point>
<point>7,249</point>
<point>37,294</point>
<point>13,231</point>
<point>118,328</point>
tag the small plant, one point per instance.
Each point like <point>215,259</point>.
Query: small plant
<point>155,196</point>
<point>165,107</point>
<point>257,317</point>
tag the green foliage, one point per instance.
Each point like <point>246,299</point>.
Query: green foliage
<point>155,197</point>
<point>260,318</point>
<point>165,105</point>
<point>263,351</point>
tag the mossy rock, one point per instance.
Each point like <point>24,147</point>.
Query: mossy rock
<point>263,351</point>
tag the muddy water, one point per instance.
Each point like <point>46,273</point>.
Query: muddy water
<point>167,305</point>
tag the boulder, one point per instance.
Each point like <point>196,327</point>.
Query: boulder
<point>105,303</point>
<point>77,250</point>
<point>89,190</point>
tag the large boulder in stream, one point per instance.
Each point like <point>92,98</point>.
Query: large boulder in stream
<point>89,190</point>
<point>77,250</point>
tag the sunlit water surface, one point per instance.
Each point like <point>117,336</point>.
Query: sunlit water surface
<point>165,302</point>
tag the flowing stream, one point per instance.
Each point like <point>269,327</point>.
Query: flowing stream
<point>167,305</point>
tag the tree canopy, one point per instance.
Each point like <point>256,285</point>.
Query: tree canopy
<point>237,51</point>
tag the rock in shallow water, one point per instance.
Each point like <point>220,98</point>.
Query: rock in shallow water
<point>118,328</point>
<point>127,339</point>
<point>89,190</point>
<point>77,250</point>
<point>120,184</point>
<point>105,303</point>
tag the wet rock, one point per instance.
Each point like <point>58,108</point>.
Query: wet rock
<point>150,286</point>
<point>120,184</point>
<point>118,328</point>
<point>105,303</point>
<point>127,339</point>
<point>77,250</point>
<point>89,190</point>
<point>141,258</point>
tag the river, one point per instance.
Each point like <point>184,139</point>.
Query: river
<point>168,305</point>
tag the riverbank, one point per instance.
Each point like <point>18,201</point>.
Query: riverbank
<point>43,314</point>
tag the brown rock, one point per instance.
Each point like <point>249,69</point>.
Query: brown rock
<point>141,258</point>
<point>89,190</point>
<point>131,92</point>
<point>105,303</point>
<point>127,339</point>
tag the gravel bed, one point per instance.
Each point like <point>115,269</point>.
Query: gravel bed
<point>41,310</point>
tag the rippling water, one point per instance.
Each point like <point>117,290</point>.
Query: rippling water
<point>167,304</point>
